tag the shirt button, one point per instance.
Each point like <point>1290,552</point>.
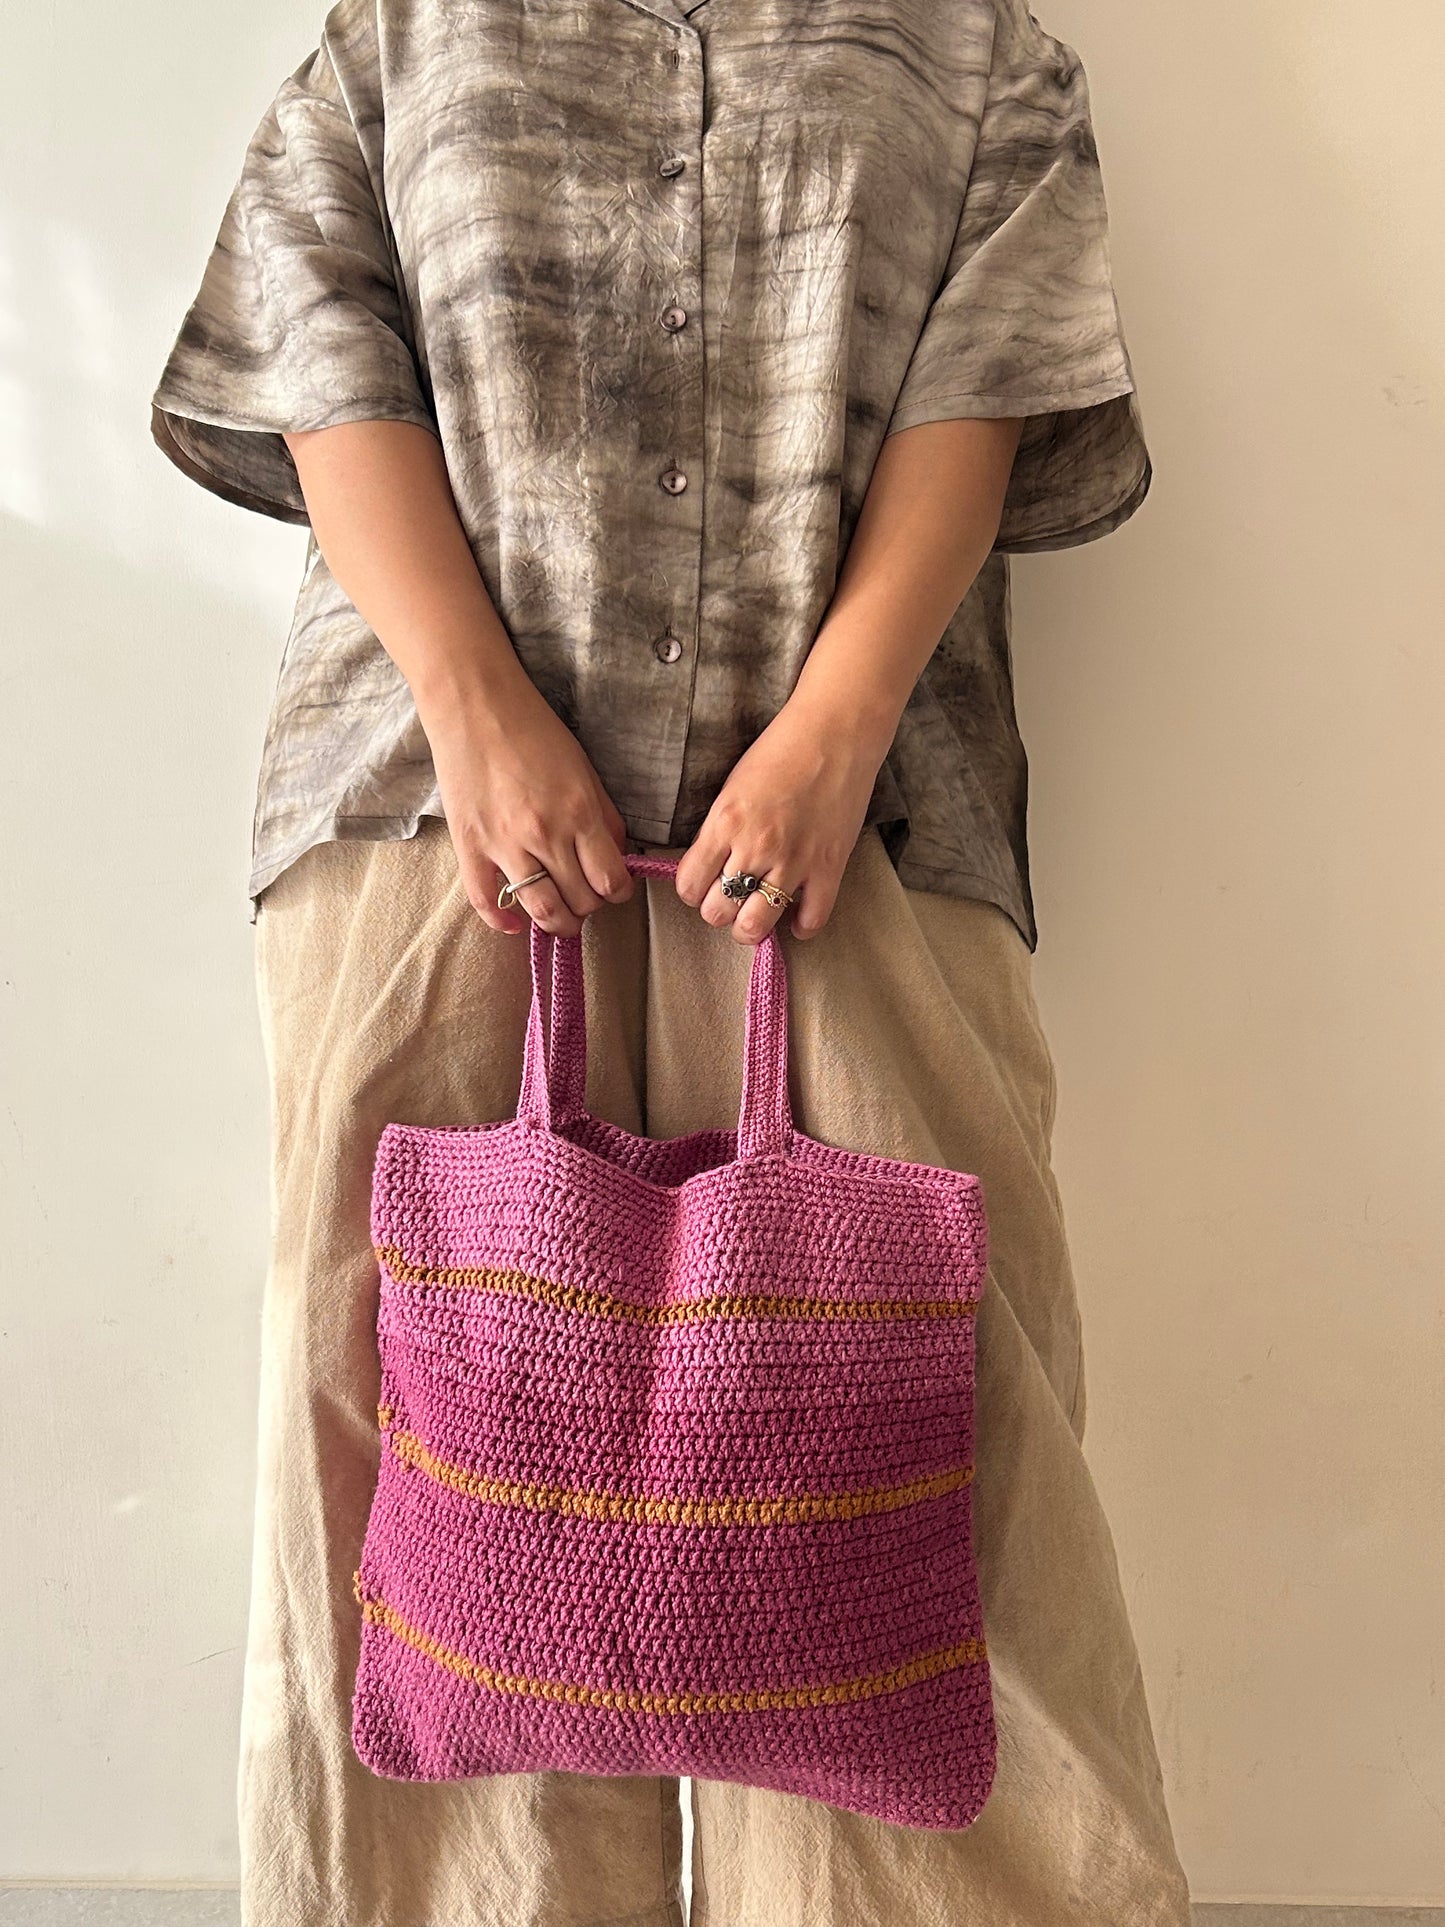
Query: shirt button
<point>674,318</point>
<point>667,648</point>
<point>673,480</point>
<point>674,164</point>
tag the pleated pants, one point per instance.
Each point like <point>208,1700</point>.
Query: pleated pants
<point>914,1034</point>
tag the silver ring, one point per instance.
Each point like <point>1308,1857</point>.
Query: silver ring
<point>507,895</point>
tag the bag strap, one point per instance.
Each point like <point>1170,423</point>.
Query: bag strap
<point>554,1058</point>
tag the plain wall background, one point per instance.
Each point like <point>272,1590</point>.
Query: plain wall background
<point>1234,713</point>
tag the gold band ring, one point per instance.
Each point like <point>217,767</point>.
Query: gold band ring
<point>507,895</point>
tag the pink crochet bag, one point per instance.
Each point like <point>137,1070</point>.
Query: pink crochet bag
<point>677,1445</point>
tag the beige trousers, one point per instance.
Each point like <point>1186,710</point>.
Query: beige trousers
<point>914,1033</point>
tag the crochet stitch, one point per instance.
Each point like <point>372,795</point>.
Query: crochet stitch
<point>677,1444</point>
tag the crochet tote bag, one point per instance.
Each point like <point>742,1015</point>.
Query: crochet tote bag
<point>677,1441</point>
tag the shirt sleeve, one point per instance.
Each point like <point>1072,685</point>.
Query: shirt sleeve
<point>1025,321</point>
<point>299,321</point>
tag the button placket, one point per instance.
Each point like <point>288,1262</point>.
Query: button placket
<point>680,187</point>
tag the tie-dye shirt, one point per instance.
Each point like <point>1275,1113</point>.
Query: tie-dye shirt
<point>661,277</point>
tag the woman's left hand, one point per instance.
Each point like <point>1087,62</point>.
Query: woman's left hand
<point>790,812</point>
<point>793,805</point>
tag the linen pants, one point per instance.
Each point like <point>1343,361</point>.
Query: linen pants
<point>913,1033</point>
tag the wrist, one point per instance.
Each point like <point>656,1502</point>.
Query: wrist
<point>471,697</point>
<point>864,715</point>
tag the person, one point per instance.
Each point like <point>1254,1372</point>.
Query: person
<point>665,386</point>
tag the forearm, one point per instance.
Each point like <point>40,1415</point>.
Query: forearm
<point>383,514</point>
<point>518,791</point>
<point>927,524</point>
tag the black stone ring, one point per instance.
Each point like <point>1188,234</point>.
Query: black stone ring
<point>741,883</point>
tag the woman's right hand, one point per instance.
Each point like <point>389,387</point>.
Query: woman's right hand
<point>520,794</point>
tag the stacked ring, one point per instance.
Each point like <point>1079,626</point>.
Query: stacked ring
<point>742,883</point>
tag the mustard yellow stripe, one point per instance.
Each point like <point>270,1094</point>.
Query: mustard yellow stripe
<point>767,1699</point>
<point>522,1284</point>
<point>637,1510</point>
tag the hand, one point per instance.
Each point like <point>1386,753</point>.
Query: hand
<point>790,811</point>
<point>520,794</point>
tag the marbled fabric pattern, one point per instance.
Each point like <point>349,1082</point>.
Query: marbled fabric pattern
<point>661,280</point>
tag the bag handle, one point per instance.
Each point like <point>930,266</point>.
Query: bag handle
<point>554,1064</point>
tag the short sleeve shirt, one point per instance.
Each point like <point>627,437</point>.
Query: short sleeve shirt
<point>661,278</point>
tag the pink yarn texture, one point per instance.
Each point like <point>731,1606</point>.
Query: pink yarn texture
<point>677,1445</point>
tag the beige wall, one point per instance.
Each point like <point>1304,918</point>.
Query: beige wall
<point>1234,710</point>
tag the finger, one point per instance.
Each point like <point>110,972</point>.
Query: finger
<point>601,858</point>
<point>716,907</point>
<point>613,821</point>
<point>569,880</point>
<point>750,918</point>
<point>542,900</point>
<point>815,904</point>
<point>481,880</point>
<point>699,864</point>
<point>756,916</point>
